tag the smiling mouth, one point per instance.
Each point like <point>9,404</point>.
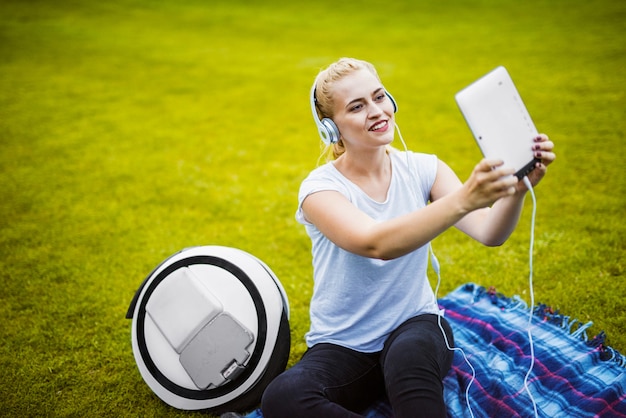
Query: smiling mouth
<point>378,125</point>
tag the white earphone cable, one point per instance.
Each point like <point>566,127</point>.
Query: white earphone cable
<point>532,293</point>
<point>436,268</point>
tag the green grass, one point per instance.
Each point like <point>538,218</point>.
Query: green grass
<point>130,130</point>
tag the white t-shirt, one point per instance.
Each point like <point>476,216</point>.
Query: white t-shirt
<point>358,301</point>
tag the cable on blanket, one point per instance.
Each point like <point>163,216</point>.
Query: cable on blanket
<point>529,186</point>
<point>435,264</point>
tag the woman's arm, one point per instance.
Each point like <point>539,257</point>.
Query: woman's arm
<point>351,229</point>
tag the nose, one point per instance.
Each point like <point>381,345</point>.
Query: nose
<point>374,110</point>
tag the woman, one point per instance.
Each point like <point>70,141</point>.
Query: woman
<point>371,214</point>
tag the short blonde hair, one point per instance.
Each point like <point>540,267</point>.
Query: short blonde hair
<point>324,93</point>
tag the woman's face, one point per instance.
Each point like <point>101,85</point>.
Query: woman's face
<point>362,111</point>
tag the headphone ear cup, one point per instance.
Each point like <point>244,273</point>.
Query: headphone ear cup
<point>328,131</point>
<point>393,102</point>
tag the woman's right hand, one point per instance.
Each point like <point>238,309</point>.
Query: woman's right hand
<point>488,182</point>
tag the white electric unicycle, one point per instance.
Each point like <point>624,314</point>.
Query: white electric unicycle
<point>210,329</point>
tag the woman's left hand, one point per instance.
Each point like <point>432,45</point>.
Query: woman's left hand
<point>543,150</point>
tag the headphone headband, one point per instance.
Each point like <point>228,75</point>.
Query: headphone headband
<point>326,128</point>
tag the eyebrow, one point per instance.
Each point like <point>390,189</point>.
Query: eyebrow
<point>359,99</point>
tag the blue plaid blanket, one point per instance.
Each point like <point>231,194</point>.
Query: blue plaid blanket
<point>572,376</point>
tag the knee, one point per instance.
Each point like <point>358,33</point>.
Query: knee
<point>273,397</point>
<point>421,349</point>
<point>280,398</point>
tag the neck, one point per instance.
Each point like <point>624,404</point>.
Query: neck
<point>370,172</point>
<point>364,163</point>
<point>375,164</point>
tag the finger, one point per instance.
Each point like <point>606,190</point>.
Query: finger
<point>507,182</point>
<point>543,146</point>
<point>506,188</point>
<point>488,164</point>
<point>545,157</point>
<point>495,168</point>
<point>503,172</point>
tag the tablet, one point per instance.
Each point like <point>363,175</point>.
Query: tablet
<point>499,121</point>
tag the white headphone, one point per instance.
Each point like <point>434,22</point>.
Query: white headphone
<point>329,133</point>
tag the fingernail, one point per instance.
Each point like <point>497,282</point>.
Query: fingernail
<point>537,138</point>
<point>536,147</point>
<point>538,154</point>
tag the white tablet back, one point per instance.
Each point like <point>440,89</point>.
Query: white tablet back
<point>499,120</point>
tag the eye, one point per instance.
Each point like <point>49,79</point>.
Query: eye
<point>380,97</point>
<point>356,107</point>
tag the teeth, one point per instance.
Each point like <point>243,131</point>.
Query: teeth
<point>378,125</point>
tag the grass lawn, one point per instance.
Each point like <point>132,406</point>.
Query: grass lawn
<point>132,129</point>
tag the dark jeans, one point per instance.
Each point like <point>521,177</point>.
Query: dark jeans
<point>332,381</point>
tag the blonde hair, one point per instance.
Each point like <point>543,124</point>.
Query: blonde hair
<point>324,94</point>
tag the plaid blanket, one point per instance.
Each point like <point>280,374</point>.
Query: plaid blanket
<point>572,376</point>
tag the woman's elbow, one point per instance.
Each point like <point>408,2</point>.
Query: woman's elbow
<point>377,251</point>
<point>387,252</point>
<point>493,241</point>
<point>494,244</point>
